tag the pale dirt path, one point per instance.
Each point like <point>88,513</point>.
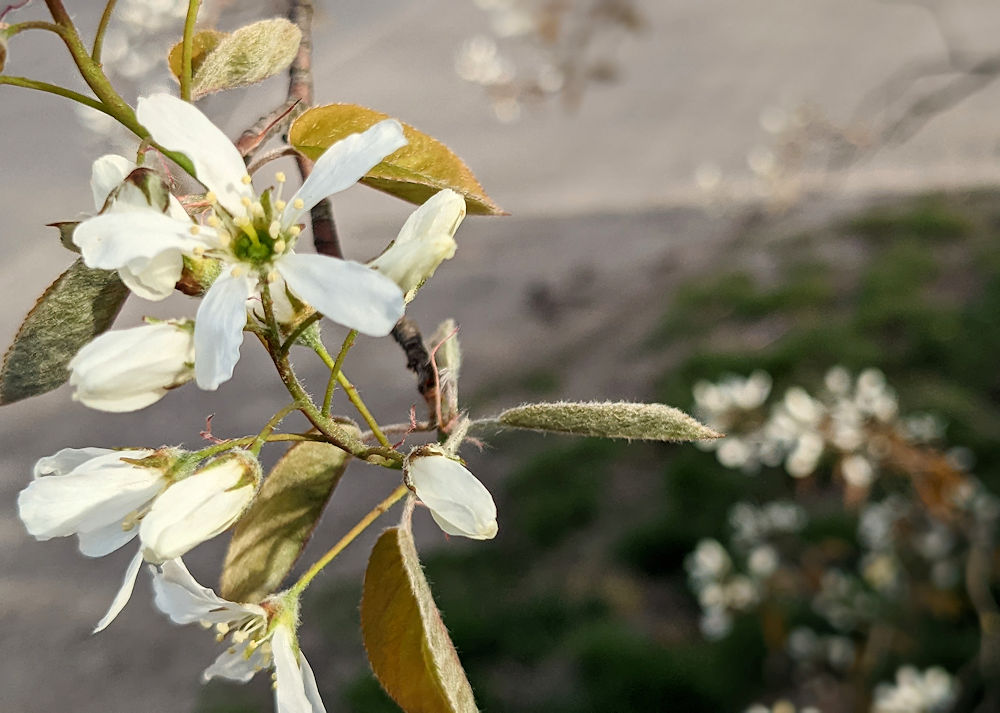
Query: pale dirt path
<point>590,193</point>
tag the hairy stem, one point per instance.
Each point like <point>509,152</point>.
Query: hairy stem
<point>102,27</point>
<point>55,89</point>
<point>187,48</point>
<point>335,369</point>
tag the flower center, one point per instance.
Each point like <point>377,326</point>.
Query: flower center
<point>256,237</point>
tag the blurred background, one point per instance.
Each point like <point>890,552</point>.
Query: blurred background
<point>781,216</point>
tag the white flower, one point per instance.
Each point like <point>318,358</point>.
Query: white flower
<point>260,636</point>
<point>424,242</point>
<point>129,369</point>
<point>98,496</point>
<point>458,502</point>
<point>199,507</point>
<point>252,237</point>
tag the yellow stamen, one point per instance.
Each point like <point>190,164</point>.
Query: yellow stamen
<point>272,276</point>
<point>257,209</point>
<point>238,271</point>
<point>195,230</point>
<point>274,229</point>
<point>211,198</point>
<point>298,204</point>
<point>246,179</point>
<point>294,231</point>
<point>279,177</point>
<point>224,239</point>
<point>198,250</point>
<point>279,205</point>
<point>279,246</point>
<point>213,221</point>
<point>246,201</point>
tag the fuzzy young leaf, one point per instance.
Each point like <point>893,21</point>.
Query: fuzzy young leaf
<point>407,644</point>
<point>247,56</point>
<point>645,422</point>
<point>202,43</point>
<point>66,229</point>
<point>414,173</point>
<point>271,535</point>
<point>78,306</point>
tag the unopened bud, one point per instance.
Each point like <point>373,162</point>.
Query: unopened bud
<point>458,502</point>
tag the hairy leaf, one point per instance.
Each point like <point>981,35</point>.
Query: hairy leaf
<point>270,537</point>
<point>78,306</point>
<point>66,229</point>
<point>407,644</point>
<point>646,422</point>
<point>414,173</point>
<point>247,56</point>
<point>202,43</point>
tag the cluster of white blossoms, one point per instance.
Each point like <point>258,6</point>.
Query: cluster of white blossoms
<point>849,421</point>
<point>729,582</point>
<point>931,691</point>
<point>239,246</point>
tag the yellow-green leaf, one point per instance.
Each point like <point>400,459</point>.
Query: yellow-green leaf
<point>249,55</point>
<point>414,173</point>
<point>407,644</point>
<point>78,306</point>
<point>644,422</point>
<point>270,537</point>
<point>202,43</point>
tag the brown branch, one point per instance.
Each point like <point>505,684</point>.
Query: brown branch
<point>300,89</point>
<point>418,360</point>
<point>266,127</point>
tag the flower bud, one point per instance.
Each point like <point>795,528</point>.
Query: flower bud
<point>200,506</point>
<point>129,369</point>
<point>458,502</point>
<point>425,241</point>
<point>96,494</point>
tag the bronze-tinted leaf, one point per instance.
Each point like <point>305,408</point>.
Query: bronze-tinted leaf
<point>414,173</point>
<point>270,537</point>
<point>202,44</point>
<point>407,644</point>
<point>644,422</point>
<point>78,306</point>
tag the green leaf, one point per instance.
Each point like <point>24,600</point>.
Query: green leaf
<point>66,229</point>
<point>247,56</point>
<point>414,173</point>
<point>78,306</point>
<point>644,422</point>
<point>202,43</point>
<point>408,646</point>
<point>270,537</point>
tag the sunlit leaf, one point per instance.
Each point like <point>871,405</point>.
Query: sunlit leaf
<point>270,537</point>
<point>414,173</point>
<point>644,422</point>
<point>202,43</point>
<point>407,644</point>
<point>78,306</point>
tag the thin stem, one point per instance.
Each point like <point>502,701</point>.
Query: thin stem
<point>335,369</point>
<point>187,48</point>
<point>55,89</point>
<point>298,331</point>
<point>102,27</point>
<point>34,25</point>
<point>355,398</point>
<point>347,539</point>
<point>245,441</point>
<point>277,418</point>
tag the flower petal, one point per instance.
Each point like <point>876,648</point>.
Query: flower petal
<point>347,292</point>
<point>113,240</point>
<point>153,279</point>
<point>344,164</point>
<point>106,174</point>
<point>289,694</point>
<point>234,664</point>
<point>178,595</point>
<point>458,502</point>
<point>196,509</point>
<point>66,460</point>
<point>123,595</point>
<point>105,540</point>
<point>218,329</point>
<point>179,126</point>
<point>103,491</point>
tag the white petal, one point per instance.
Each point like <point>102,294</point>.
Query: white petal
<point>179,126</point>
<point>218,329</point>
<point>105,540</point>
<point>103,491</point>
<point>114,240</point>
<point>106,174</point>
<point>153,279</point>
<point>347,292</point>
<point>289,694</point>
<point>123,595</point>
<point>441,213</point>
<point>195,510</point>
<point>311,689</point>
<point>458,502</point>
<point>234,664</point>
<point>66,460</point>
<point>178,595</point>
<point>343,164</point>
